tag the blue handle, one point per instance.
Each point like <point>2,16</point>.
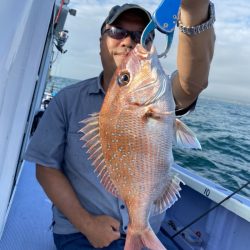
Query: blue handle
<point>164,19</point>
<point>166,15</point>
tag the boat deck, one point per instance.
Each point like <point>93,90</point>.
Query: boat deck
<point>28,223</point>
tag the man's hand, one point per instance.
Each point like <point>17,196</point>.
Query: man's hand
<point>102,230</point>
<point>194,12</point>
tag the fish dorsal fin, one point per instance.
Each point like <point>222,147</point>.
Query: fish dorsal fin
<point>92,142</point>
<point>169,197</point>
<point>185,137</point>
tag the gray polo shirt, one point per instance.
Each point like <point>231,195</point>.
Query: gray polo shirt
<point>56,144</point>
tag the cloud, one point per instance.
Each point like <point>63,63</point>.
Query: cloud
<point>229,72</point>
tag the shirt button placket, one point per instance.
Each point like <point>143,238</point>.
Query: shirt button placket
<point>124,214</point>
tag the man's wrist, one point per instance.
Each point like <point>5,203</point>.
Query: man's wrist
<point>197,21</point>
<point>85,221</point>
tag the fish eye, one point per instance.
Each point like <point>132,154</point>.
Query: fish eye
<point>123,78</point>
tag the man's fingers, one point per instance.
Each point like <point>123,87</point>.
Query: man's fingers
<point>115,224</point>
<point>116,235</point>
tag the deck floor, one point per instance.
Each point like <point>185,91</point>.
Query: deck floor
<point>28,223</point>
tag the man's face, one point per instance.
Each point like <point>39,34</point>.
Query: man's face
<point>113,51</point>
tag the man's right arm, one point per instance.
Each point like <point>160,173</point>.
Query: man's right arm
<point>100,230</point>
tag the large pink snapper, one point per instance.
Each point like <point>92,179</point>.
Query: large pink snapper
<point>130,143</point>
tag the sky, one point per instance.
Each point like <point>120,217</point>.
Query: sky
<point>229,74</point>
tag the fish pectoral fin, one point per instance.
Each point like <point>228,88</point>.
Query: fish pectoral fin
<point>169,196</point>
<point>185,137</point>
<point>91,137</point>
<point>156,114</point>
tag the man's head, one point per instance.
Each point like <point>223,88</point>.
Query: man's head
<point>120,32</point>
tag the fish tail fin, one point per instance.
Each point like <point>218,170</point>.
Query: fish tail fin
<point>133,242</point>
<point>146,238</point>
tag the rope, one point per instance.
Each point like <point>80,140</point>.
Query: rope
<point>59,12</point>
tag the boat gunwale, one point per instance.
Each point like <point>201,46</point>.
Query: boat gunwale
<point>237,204</point>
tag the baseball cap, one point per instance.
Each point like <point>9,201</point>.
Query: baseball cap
<point>117,10</point>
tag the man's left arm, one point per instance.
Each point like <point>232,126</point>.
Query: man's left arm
<point>195,54</point>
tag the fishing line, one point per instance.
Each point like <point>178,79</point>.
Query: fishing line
<point>209,210</point>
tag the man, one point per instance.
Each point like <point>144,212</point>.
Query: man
<point>85,216</point>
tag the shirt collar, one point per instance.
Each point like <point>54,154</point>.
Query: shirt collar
<point>97,87</point>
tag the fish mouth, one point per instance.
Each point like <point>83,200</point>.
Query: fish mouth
<point>157,77</point>
<point>142,52</point>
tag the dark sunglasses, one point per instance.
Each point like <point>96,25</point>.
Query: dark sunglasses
<point>119,33</point>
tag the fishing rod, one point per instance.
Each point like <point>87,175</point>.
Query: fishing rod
<point>209,210</point>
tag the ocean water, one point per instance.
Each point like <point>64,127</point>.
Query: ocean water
<point>223,129</point>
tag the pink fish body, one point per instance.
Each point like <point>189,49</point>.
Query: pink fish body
<point>130,143</point>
